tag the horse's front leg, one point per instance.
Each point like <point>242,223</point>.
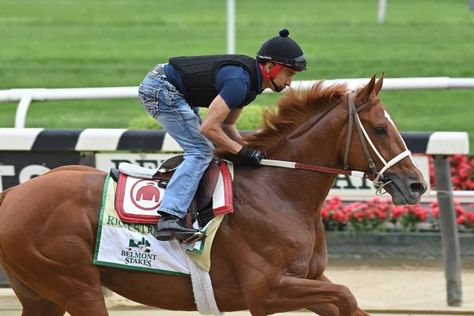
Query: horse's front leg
<point>292,293</point>
<point>330,309</point>
<point>325,309</point>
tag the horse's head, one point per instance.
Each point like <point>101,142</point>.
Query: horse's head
<point>371,142</point>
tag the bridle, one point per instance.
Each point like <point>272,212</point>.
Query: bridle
<point>379,180</point>
<point>377,177</point>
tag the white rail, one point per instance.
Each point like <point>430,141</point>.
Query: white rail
<point>26,96</point>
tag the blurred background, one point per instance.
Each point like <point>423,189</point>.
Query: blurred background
<point>114,43</point>
<point>90,43</point>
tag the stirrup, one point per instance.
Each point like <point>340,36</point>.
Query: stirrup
<point>197,236</point>
<point>185,238</point>
<point>163,236</point>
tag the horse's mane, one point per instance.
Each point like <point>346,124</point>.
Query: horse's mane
<point>292,110</point>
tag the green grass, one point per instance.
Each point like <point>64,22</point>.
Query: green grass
<point>88,43</point>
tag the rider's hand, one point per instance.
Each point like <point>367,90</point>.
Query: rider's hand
<point>252,156</point>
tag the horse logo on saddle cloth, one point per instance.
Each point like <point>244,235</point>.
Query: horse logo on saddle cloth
<point>128,217</point>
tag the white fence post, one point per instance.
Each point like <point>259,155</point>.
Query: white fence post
<point>382,9</point>
<point>449,231</point>
<point>22,110</point>
<point>231,26</point>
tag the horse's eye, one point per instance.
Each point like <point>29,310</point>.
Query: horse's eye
<point>381,131</point>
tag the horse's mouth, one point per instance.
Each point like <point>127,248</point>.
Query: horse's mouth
<point>406,189</point>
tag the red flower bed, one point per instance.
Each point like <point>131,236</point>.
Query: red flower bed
<point>462,172</point>
<point>380,214</point>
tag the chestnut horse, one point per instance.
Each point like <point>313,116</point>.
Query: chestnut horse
<point>268,256</point>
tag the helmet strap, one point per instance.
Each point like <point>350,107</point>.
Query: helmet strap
<point>274,71</point>
<point>277,88</point>
<point>271,75</point>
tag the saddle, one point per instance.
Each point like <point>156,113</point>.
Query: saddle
<point>201,206</point>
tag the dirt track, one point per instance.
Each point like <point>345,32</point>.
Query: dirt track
<point>154,312</point>
<point>385,290</point>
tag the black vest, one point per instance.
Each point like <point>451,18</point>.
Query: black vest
<point>199,74</point>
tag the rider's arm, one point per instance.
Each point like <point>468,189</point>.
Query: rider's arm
<point>230,128</point>
<point>211,127</point>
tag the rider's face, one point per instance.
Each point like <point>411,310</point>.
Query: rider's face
<point>283,78</point>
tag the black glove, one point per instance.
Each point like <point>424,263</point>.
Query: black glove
<point>252,156</point>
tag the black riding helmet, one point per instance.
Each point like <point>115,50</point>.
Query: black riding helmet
<point>282,50</point>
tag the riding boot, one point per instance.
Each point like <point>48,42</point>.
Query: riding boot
<point>172,227</point>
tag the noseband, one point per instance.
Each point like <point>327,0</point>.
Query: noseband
<point>376,176</point>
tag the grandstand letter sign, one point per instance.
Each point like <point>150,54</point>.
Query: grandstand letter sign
<point>17,167</point>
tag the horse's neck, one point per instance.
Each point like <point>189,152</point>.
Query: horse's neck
<point>319,146</point>
<point>296,192</point>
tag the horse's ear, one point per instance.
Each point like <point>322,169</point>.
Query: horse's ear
<point>365,92</point>
<point>379,84</point>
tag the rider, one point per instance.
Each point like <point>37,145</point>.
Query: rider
<point>172,92</point>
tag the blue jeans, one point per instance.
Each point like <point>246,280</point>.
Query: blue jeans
<point>168,106</point>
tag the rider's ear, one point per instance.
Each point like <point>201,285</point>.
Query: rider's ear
<point>379,84</point>
<point>365,92</point>
<point>268,66</point>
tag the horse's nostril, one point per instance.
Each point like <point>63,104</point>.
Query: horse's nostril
<point>418,187</point>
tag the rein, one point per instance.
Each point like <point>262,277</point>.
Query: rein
<point>302,166</point>
<point>377,176</point>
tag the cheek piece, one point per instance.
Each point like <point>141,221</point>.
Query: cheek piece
<point>271,75</point>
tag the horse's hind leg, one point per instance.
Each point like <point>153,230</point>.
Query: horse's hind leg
<point>80,294</point>
<point>40,307</point>
<point>33,304</point>
<point>76,299</point>
<point>72,285</point>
